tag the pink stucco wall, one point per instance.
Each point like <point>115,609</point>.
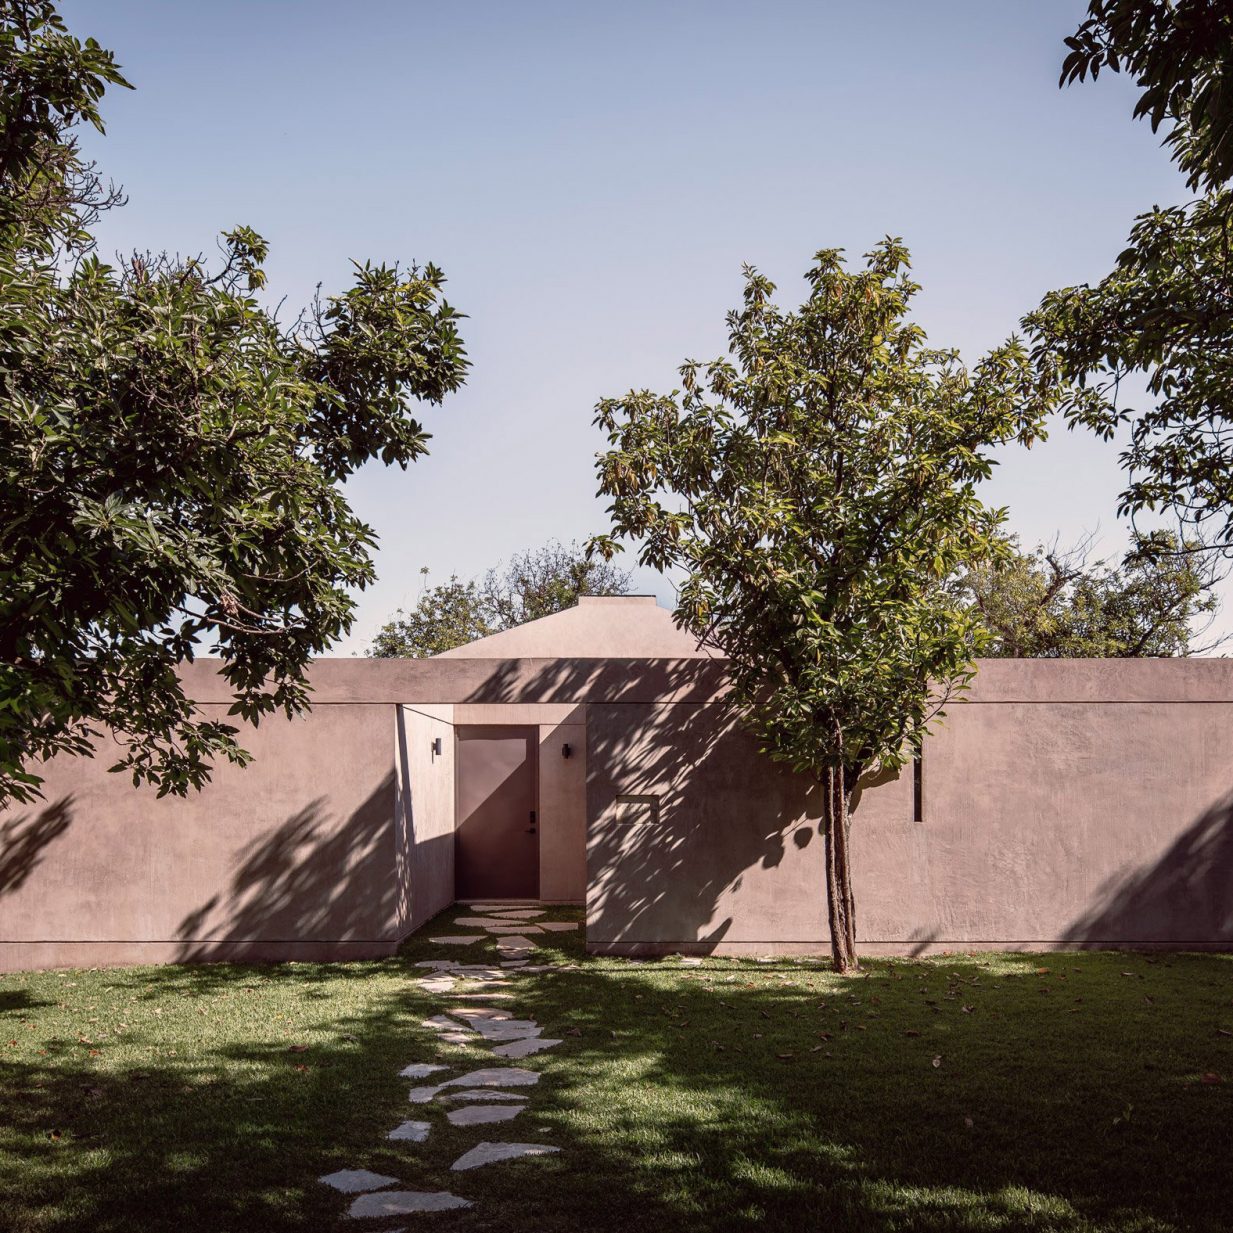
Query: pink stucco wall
<point>1066,803</point>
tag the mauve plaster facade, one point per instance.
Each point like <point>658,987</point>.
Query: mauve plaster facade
<point>1065,803</point>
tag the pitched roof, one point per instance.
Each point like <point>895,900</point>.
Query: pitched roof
<point>598,627</point>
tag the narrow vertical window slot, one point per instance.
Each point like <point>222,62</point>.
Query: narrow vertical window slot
<point>918,790</point>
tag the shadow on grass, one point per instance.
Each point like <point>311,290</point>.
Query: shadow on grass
<point>1068,1096</point>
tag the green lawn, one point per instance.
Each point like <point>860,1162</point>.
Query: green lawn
<point>1068,1092</point>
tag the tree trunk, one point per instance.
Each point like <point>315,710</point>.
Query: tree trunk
<point>840,903</point>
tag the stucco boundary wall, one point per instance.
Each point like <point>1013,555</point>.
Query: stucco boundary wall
<point>1065,804</point>
<point>332,845</point>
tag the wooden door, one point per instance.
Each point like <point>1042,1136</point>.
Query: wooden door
<point>496,839</point>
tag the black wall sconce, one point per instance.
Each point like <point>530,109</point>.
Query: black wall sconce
<point>436,745</point>
<point>566,751</point>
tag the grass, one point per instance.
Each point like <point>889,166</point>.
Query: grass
<point>1077,1092</point>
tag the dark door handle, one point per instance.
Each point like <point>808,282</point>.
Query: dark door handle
<point>531,828</point>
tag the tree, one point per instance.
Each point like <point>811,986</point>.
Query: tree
<point>816,492</point>
<point>446,616</point>
<point>1053,604</point>
<point>172,454</point>
<point>535,583</point>
<point>1178,51</point>
<point>1164,312</point>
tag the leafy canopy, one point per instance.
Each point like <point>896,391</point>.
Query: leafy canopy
<point>1178,53</point>
<point>172,454</point>
<point>817,490</point>
<point>533,584</point>
<point>1163,313</point>
<point>1051,603</point>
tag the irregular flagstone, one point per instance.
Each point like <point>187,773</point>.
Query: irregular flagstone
<point>483,1093</point>
<point>510,1029</point>
<point>440,965</point>
<point>510,943</point>
<point>480,1012</point>
<point>557,926</point>
<point>475,995</point>
<point>525,1047</point>
<point>437,986</point>
<point>405,1203</point>
<point>514,963</point>
<point>496,1076</point>
<point>422,1095</point>
<point>479,1115</point>
<point>490,1153</point>
<point>457,939</point>
<point>519,913</point>
<point>413,1132</point>
<point>511,927</point>
<point>479,921</point>
<point>457,1038</point>
<point>443,1023</point>
<point>355,1181</point>
<point>420,1070</point>
<point>492,907</point>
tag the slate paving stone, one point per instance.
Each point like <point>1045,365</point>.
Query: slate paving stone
<point>556,926</point>
<point>513,927</point>
<point>405,1203</point>
<point>490,1153</point>
<point>480,1012</point>
<point>514,963</point>
<point>443,1023</point>
<point>496,1076</point>
<point>422,1095</point>
<point>482,1093</point>
<point>457,939</point>
<point>356,1181</point>
<point>512,1029</point>
<point>440,965</point>
<point>519,913</point>
<point>479,1115</point>
<point>525,1047</point>
<point>420,1070</point>
<point>479,921</point>
<point>412,1132</point>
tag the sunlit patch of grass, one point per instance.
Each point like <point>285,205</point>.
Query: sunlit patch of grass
<point>1087,1093</point>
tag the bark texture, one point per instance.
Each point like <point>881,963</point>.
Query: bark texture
<point>840,901</point>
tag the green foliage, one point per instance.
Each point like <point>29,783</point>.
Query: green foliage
<point>534,584</point>
<point>172,454</point>
<point>1178,52</point>
<point>446,616</point>
<point>1164,313</point>
<point>1055,604</point>
<point>817,493</point>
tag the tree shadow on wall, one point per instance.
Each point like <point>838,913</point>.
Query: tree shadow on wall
<point>1184,898</point>
<point>313,880</point>
<point>24,839</point>
<point>714,809</point>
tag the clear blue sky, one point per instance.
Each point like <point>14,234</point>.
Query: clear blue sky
<point>591,178</point>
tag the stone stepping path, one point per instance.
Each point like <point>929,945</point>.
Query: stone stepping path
<point>490,1153</point>
<point>355,1181</point>
<point>525,1047</point>
<point>475,1115</point>
<point>405,1203</point>
<point>420,1070</point>
<point>478,1097</point>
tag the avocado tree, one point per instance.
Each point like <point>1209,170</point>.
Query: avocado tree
<point>171,454</point>
<point>815,492</point>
